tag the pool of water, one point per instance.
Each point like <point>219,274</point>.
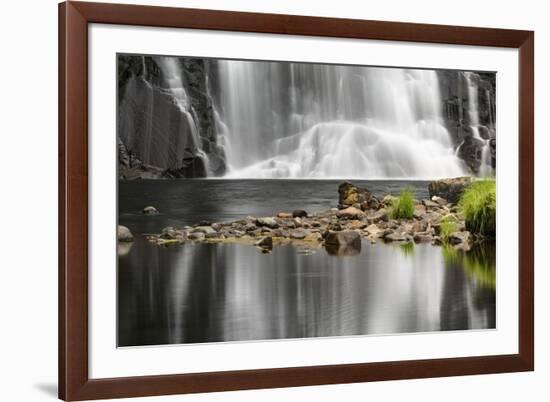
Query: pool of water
<point>198,293</point>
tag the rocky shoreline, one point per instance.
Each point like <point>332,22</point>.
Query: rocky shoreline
<point>340,230</point>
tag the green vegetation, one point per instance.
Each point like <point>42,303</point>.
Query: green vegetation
<point>447,226</point>
<point>407,249</point>
<point>478,204</point>
<point>403,207</point>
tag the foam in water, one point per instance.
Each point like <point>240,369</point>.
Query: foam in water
<point>288,120</point>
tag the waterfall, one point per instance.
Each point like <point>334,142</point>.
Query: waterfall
<point>173,74</point>
<point>297,120</point>
<point>485,168</point>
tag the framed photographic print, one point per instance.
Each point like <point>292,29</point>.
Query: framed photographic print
<point>260,200</point>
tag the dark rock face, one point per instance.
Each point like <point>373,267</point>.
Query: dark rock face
<point>449,189</point>
<point>471,151</point>
<point>165,131</point>
<point>456,90</point>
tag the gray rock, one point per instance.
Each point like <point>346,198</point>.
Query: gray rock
<point>350,213</point>
<point>299,234</point>
<point>150,210</point>
<point>463,238</point>
<point>267,221</point>
<point>422,237</point>
<point>344,238</point>
<point>124,234</point>
<point>450,189</point>
<point>380,215</point>
<point>299,213</point>
<point>204,229</point>
<point>197,236</point>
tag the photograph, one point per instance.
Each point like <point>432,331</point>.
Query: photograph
<point>268,200</point>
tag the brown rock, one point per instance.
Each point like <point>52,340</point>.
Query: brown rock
<point>450,189</point>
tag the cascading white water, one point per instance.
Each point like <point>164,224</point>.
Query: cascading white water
<point>288,120</point>
<point>172,74</point>
<point>485,168</point>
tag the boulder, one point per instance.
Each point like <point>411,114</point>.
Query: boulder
<point>350,213</point>
<point>344,243</point>
<point>124,234</point>
<point>449,189</point>
<point>344,238</point>
<point>150,210</point>
<point>299,213</point>
<point>349,194</point>
<point>267,221</point>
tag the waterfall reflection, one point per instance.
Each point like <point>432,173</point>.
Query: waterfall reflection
<point>212,293</point>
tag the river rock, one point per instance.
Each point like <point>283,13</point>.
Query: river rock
<point>197,236</point>
<point>349,194</point>
<point>439,200</point>
<point>124,234</point>
<point>204,229</point>
<point>284,215</point>
<point>422,237</point>
<point>380,215</point>
<point>429,204</point>
<point>299,234</point>
<point>350,213</point>
<point>170,233</point>
<point>150,210</point>
<point>299,213</point>
<point>449,189</point>
<point>267,221</point>
<point>460,238</point>
<point>266,242</point>
<point>344,238</point>
<point>356,224</point>
<point>388,200</point>
<point>397,236</point>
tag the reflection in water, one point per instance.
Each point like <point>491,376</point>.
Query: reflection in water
<point>229,292</point>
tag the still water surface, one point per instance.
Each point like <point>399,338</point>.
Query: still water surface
<point>199,293</point>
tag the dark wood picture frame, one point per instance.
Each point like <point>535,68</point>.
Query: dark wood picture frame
<point>74,382</point>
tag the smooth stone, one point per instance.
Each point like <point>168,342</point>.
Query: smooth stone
<point>204,229</point>
<point>344,238</point>
<point>150,210</point>
<point>267,221</point>
<point>299,213</point>
<point>284,215</point>
<point>197,236</point>
<point>299,234</point>
<point>124,234</point>
<point>350,213</point>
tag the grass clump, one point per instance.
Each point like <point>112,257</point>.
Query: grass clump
<point>478,204</point>
<point>447,226</point>
<point>403,207</point>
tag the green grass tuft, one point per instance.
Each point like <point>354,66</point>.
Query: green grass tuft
<point>478,204</point>
<point>447,226</point>
<point>403,207</point>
